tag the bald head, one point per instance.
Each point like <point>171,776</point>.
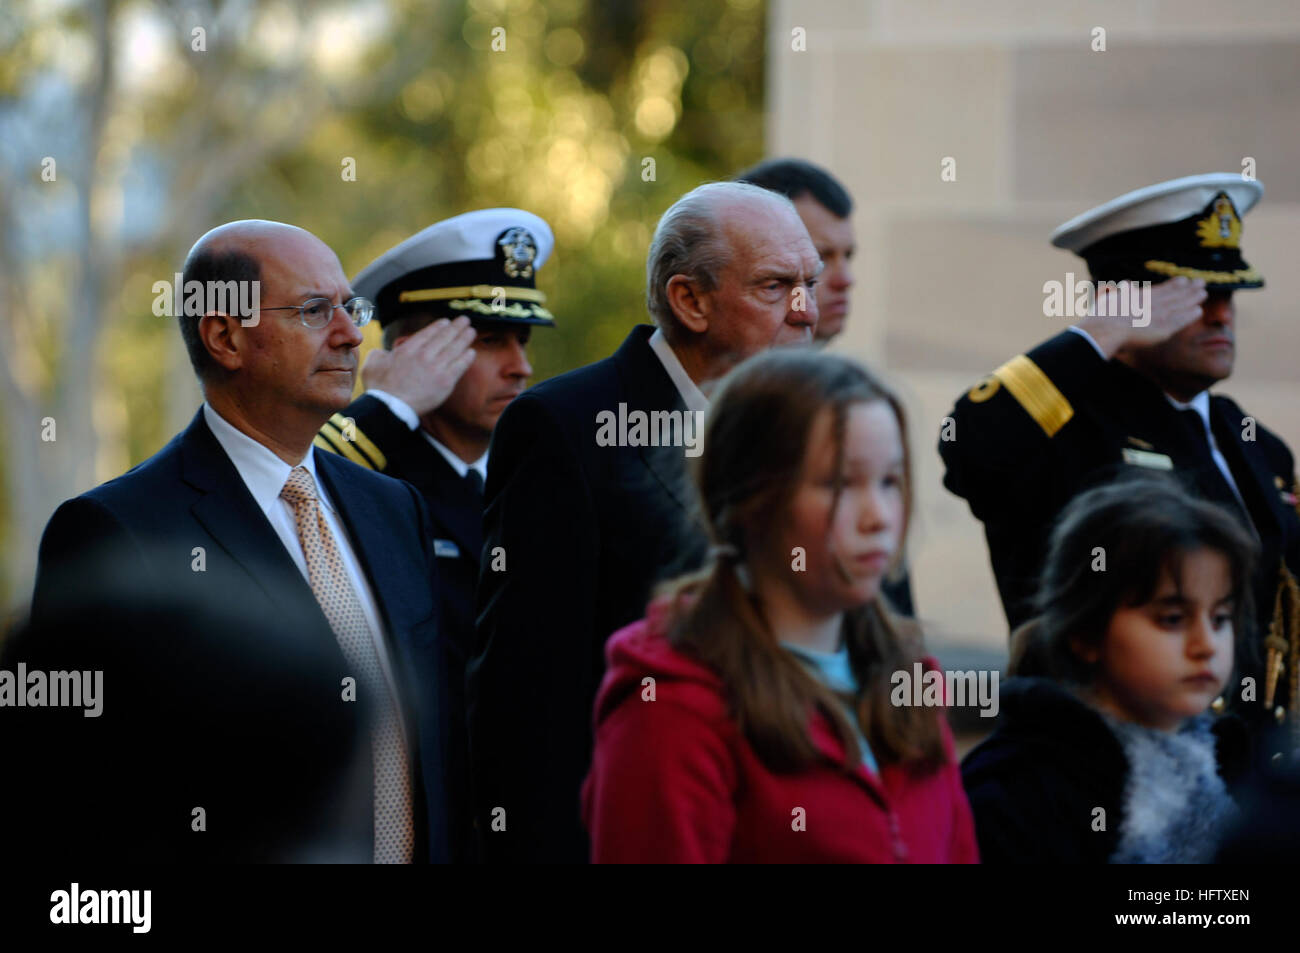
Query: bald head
<point>255,237</point>
<point>240,252</point>
<point>700,233</point>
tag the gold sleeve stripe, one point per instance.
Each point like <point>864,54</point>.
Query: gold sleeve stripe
<point>1036,393</point>
<point>330,440</point>
<point>326,440</point>
<point>365,444</point>
<point>343,447</point>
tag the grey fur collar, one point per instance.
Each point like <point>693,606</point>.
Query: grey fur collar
<point>1176,806</point>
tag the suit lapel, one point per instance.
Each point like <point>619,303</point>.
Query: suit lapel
<point>232,517</point>
<point>647,387</point>
<point>359,517</point>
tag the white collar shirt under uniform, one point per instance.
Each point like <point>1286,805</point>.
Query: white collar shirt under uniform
<point>265,474</point>
<point>403,412</point>
<point>1201,404</point>
<point>690,391</point>
<point>455,462</point>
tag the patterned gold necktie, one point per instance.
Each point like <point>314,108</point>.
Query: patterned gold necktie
<point>394,828</point>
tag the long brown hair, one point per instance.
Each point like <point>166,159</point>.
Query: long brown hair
<point>751,467</point>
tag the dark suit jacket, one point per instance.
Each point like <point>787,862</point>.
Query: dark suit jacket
<point>585,532</point>
<point>190,495</point>
<point>383,442</point>
<point>1017,477</point>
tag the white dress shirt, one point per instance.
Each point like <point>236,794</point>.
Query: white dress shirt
<point>403,412</point>
<point>690,391</point>
<point>265,474</point>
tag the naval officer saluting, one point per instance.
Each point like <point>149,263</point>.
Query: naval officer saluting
<point>1111,393</point>
<point>457,303</point>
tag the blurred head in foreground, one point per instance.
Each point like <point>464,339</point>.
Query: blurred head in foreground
<point>200,732</point>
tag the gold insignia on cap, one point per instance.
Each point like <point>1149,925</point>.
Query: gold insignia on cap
<point>520,250</point>
<point>1221,228</point>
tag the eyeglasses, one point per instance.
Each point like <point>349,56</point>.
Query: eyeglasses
<point>317,312</point>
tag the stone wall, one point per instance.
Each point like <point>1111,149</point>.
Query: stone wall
<point>950,274</point>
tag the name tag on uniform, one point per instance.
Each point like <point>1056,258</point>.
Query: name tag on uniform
<point>1145,458</point>
<point>445,547</point>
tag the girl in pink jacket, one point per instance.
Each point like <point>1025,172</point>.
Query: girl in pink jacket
<point>749,717</point>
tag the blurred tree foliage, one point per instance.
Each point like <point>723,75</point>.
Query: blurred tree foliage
<point>560,122</point>
<point>595,115</point>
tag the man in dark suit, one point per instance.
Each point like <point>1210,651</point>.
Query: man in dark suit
<point>1128,385</point>
<point>585,514</point>
<point>241,500</point>
<point>428,418</point>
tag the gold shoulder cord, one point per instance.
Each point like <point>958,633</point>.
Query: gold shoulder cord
<point>1283,644</point>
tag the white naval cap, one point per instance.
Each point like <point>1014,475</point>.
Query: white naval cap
<point>1189,226</point>
<point>482,264</point>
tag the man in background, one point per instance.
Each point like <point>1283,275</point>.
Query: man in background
<point>826,209</point>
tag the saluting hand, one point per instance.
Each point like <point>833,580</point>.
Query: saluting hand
<point>422,369</point>
<point>1171,306</point>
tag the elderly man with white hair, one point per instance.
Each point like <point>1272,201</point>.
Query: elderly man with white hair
<point>583,517</point>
